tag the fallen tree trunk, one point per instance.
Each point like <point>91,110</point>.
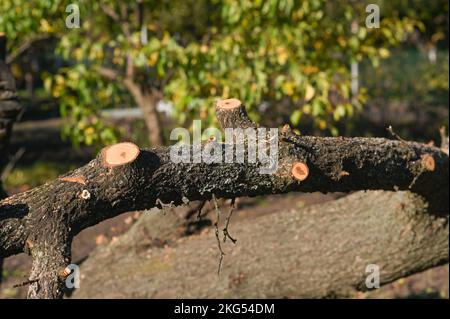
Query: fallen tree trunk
<point>320,251</point>
<point>123,178</point>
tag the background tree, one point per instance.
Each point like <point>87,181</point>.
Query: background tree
<point>292,56</point>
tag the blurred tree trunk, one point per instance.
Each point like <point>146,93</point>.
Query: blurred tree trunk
<point>145,95</point>
<point>151,118</point>
<point>147,101</point>
<point>10,108</point>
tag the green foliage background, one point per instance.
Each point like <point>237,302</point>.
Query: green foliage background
<point>292,56</point>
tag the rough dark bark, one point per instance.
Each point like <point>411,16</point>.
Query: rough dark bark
<point>370,163</point>
<point>320,251</point>
<point>97,191</point>
<point>50,258</point>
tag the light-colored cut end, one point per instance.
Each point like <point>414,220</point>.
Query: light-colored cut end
<point>300,171</point>
<point>228,104</point>
<point>65,272</point>
<point>428,162</point>
<point>120,154</point>
<point>344,173</point>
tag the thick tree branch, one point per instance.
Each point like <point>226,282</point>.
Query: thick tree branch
<point>107,73</point>
<point>368,163</point>
<point>118,181</point>
<point>24,47</point>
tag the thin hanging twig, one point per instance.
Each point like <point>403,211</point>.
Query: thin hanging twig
<point>216,225</point>
<point>226,234</point>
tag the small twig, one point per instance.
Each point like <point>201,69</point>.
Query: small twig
<point>416,178</point>
<point>288,135</point>
<point>216,225</point>
<point>404,142</point>
<point>428,164</point>
<point>163,205</point>
<point>24,47</point>
<point>199,210</point>
<point>26,283</point>
<point>444,140</point>
<point>290,140</point>
<point>9,167</point>
<point>226,234</point>
<point>395,135</point>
